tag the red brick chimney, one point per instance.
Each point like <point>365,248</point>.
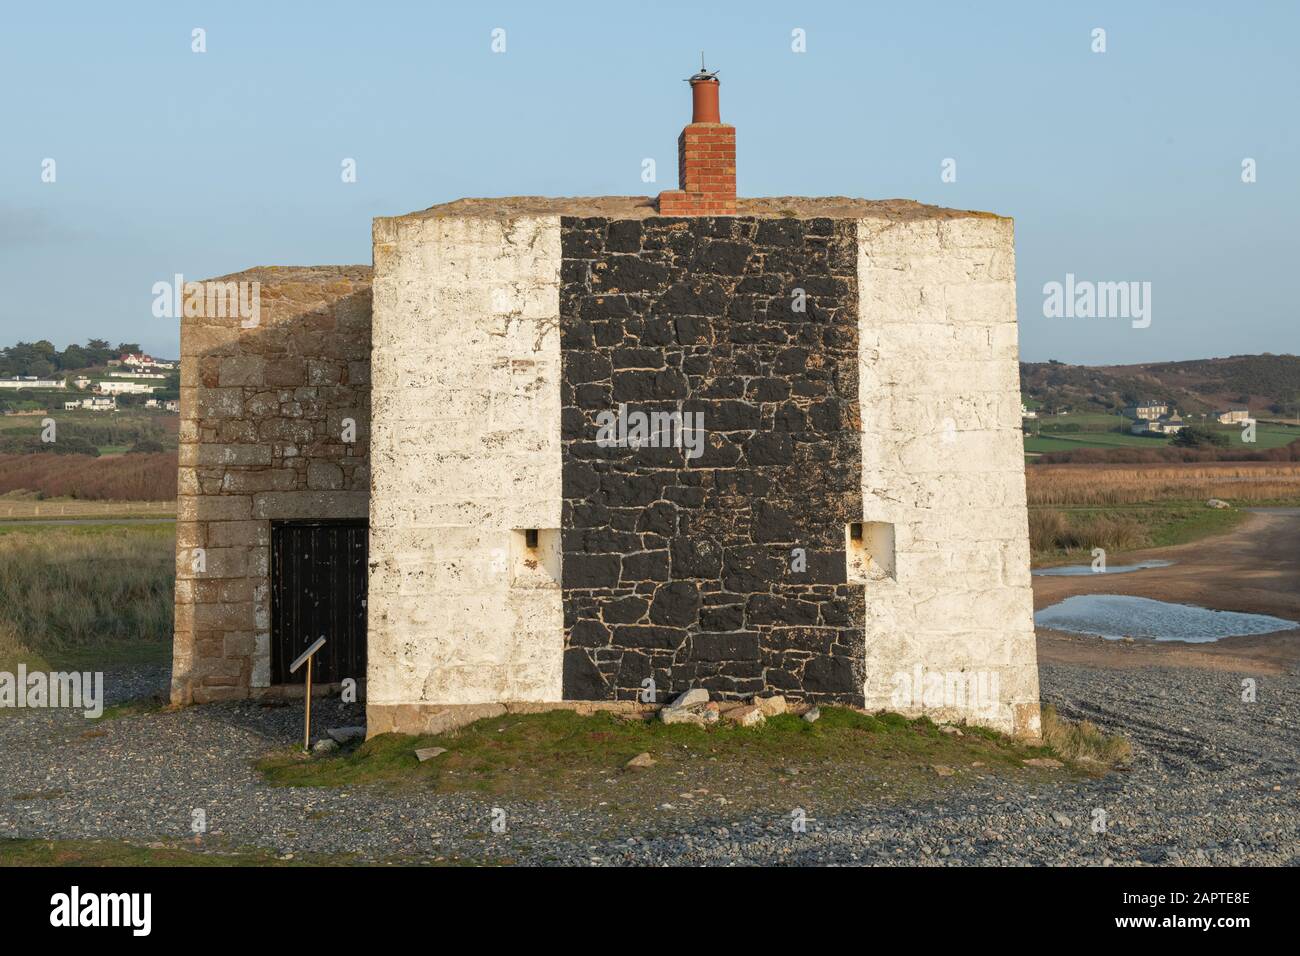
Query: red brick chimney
<point>706,158</point>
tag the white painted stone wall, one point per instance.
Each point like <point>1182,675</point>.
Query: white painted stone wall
<point>465,452</point>
<point>943,462</point>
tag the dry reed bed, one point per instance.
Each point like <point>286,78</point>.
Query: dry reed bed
<point>140,477</point>
<point>1135,484</point>
<point>65,589</point>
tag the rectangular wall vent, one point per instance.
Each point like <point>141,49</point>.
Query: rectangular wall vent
<point>869,547</point>
<point>535,558</point>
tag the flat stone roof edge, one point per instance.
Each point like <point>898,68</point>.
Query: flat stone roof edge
<point>645,207</point>
<point>319,273</point>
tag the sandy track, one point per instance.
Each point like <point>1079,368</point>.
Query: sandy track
<point>1254,569</point>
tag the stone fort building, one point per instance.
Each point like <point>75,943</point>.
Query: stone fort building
<point>559,450</point>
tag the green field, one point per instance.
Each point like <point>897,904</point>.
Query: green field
<point>1098,431</point>
<point>1034,443</point>
<point>113,433</point>
<point>77,595</point>
<point>1090,420</point>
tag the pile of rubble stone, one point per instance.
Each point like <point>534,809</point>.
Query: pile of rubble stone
<point>695,707</point>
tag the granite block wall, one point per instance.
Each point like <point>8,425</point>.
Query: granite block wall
<point>262,438</point>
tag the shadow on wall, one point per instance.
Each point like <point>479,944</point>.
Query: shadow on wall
<point>273,480</point>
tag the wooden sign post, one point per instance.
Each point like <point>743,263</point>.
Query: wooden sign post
<point>298,662</point>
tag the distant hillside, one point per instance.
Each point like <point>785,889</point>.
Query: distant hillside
<point>1268,384</point>
<point>43,360</point>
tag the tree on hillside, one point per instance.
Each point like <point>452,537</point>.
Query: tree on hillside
<point>74,357</point>
<point>42,359</point>
<point>98,351</point>
<point>171,387</point>
<point>1200,436</point>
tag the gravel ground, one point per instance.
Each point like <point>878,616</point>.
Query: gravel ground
<point>1214,781</point>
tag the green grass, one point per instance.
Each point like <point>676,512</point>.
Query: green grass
<point>1128,528</point>
<point>134,708</point>
<point>1173,524</point>
<point>84,596</point>
<point>111,432</point>
<point>1077,440</point>
<point>1266,436</point>
<point>845,758</point>
<point>149,534</point>
<point>1083,742</point>
<point>1034,444</point>
<point>1096,420</point>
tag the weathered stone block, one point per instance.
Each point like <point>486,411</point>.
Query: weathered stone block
<point>240,414</point>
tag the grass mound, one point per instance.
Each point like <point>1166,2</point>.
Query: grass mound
<point>845,758</point>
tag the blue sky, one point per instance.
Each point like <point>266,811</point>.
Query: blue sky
<point>1123,165</point>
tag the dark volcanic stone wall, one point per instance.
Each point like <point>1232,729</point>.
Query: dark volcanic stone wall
<point>683,570</point>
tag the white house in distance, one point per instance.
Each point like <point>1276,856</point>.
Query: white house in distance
<point>91,404</point>
<point>1164,425</point>
<point>124,388</point>
<point>30,381</point>
<point>1234,415</point>
<point>143,362</point>
<point>1149,409</point>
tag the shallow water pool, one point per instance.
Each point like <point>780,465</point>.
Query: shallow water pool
<point>1118,615</point>
<point>1071,570</point>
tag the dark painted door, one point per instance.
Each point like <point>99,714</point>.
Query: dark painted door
<point>318,589</point>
